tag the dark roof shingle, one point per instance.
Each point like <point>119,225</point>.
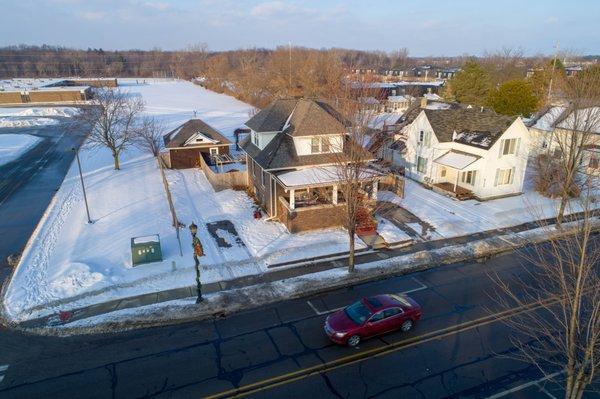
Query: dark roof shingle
<point>479,129</point>
<point>178,136</point>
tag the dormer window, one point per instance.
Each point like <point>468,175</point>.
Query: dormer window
<point>319,145</point>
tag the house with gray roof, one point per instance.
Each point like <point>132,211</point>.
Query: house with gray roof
<point>189,141</point>
<point>466,152</point>
<point>293,155</point>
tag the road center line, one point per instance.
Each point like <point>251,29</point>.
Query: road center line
<point>379,351</point>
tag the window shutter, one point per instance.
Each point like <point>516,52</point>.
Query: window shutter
<point>428,140</point>
<point>496,179</point>
<point>512,175</point>
<point>518,145</point>
<point>500,153</point>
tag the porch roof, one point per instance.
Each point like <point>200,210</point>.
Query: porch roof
<point>319,176</point>
<point>457,159</point>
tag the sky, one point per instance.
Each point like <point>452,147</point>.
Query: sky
<point>431,27</point>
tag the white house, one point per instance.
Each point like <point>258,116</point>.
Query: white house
<point>466,153</point>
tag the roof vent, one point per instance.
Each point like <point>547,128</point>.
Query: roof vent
<point>454,135</point>
<point>481,109</point>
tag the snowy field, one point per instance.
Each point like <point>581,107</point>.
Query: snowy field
<point>452,218</point>
<point>90,263</point>
<point>12,146</point>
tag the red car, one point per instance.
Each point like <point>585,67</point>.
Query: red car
<point>372,316</point>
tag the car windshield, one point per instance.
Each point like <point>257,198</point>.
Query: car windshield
<point>358,312</point>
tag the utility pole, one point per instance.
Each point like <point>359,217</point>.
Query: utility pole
<point>290,54</point>
<point>87,209</point>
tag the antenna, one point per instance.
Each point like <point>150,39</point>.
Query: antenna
<point>290,52</point>
<point>552,74</point>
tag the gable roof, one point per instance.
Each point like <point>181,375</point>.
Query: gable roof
<point>272,118</point>
<point>180,135</point>
<point>473,127</point>
<point>298,117</point>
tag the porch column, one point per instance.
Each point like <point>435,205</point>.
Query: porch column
<point>456,181</point>
<point>292,199</point>
<point>375,187</point>
<point>334,195</point>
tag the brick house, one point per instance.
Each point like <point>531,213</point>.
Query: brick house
<point>293,160</point>
<point>188,142</point>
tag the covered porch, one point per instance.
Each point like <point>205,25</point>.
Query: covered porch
<point>455,174</point>
<point>313,198</point>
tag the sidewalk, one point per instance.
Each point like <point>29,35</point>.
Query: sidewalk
<point>419,256</point>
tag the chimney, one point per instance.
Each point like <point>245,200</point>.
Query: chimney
<point>423,102</point>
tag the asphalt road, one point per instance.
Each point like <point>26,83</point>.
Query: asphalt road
<point>28,184</point>
<point>281,351</point>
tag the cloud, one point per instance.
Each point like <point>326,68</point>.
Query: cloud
<point>92,15</point>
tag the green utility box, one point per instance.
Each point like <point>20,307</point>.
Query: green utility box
<point>145,249</point>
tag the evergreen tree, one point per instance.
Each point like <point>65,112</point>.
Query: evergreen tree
<point>471,85</point>
<point>515,97</point>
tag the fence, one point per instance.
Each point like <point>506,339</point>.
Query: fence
<point>222,181</point>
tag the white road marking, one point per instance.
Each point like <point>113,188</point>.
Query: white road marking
<point>321,313</point>
<point>526,385</point>
<point>3,369</point>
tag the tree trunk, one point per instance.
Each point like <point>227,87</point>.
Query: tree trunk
<point>561,210</point>
<point>116,160</point>
<point>351,251</point>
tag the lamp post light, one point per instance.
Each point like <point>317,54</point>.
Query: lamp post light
<point>197,246</point>
<point>87,209</point>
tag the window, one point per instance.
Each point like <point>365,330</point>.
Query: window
<point>376,317</point>
<point>504,176</point>
<point>509,146</point>
<point>264,177</point>
<point>391,312</point>
<point>421,164</point>
<point>214,151</point>
<point>357,312</point>
<point>315,145</point>
<point>443,172</point>
<point>424,138</point>
<point>469,177</point>
<point>421,136</point>
<point>594,162</point>
<point>254,138</point>
<point>326,144</point>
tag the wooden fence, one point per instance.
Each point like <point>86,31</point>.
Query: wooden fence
<point>222,181</point>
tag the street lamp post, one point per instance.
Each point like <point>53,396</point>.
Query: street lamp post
<point>87,209</point>
<point>197,246</point>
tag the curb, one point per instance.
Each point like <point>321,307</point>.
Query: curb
<point>238,299</point>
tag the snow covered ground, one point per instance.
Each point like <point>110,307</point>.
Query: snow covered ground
<point>34,116</point>
<point>90,263</point>
<point>12,146</point>
<point>453,218</point>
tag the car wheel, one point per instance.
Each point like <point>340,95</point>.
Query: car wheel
<point>353,340</point>
<point>407,325</point>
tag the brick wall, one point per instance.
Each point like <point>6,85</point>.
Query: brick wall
<point>311,218</point>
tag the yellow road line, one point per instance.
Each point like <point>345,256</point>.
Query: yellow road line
<point>375,352</point>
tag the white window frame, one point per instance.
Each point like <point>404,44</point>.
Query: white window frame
<point>509,147</point>
<point>216,150</point>
<point>313,141</point>
<point>468,177</point>
<point>425,161</point>
<point>504,176</point>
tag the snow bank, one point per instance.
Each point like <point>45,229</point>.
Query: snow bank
<point>12,146</point>
<point>40,111</point>
<point>15,121</point>
<point>390,232</point>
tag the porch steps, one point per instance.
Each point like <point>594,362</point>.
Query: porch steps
<point>374,241</point>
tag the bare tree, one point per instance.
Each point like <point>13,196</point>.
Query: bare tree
<point>576,133</point>
<point>351,161</point>
<point>112,120</point>
<point>560,333</point>
<point>149,136</point>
